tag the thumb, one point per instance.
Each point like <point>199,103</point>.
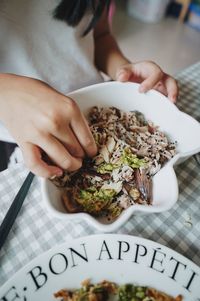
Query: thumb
<point>123,74</point>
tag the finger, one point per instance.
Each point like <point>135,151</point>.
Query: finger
<point>161,88</point>
<point>151,81</point>
<point>171,87</point>
<point>33,159</point>
<point>80,128</point>
<point>69,140</point>
<point>124,74</point>
<point>59,154</point>
<point>82,131</point>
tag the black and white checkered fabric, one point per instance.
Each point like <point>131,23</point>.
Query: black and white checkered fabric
<point>36,231</point>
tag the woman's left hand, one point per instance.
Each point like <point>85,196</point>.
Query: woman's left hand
<point>150,76</point>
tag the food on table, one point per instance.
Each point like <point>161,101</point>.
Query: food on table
<point>104,290</point>
<point>130,151</point>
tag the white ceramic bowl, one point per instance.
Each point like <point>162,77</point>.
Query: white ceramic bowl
<point>177,125</point>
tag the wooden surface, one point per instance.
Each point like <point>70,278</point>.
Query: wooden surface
<point>185,4</point>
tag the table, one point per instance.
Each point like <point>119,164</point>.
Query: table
<point>36,231</point>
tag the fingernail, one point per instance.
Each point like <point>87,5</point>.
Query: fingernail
<point>121,77</point>
<point>120,74</point>
<point>173,98</point>
<point>58,173</point>
<point>142,89</point>
<point>53,177</point>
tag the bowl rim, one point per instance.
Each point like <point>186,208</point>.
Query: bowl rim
<point>150,92</point>
<point>119,222</point>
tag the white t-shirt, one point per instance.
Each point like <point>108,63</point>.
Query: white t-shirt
<point>34,44</point>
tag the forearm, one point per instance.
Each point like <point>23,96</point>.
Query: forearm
<point>3,79</point>
<point>108,56</point>
<point>8,85</point>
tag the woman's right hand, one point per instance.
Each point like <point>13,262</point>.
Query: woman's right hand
<point>41,120</point>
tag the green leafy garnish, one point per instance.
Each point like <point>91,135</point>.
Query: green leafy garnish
<point>127,158</point>
<point>130,159</point>
<point>94,200</point>
<point>107,167</point>
<point>129,292</point>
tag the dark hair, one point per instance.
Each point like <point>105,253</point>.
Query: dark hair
<point>72,11</point>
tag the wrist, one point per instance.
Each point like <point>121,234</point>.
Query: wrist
<point>2,102</point>
<point>121,66</point>
<point>5,89</point>
<point>117,63</point>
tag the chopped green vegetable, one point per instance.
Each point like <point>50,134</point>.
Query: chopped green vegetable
<point>107,167</point>
<point>127,158</point>
<point>131,159</point>
<point>130,292</point>
<point>94,200</point>
<point>85,194</point>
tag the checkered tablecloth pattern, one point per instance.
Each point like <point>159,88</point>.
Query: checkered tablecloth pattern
<point>36,231</point>
<point>189,85</point>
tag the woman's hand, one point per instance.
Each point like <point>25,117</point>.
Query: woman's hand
<point>150,76</point>
<point>41,120</point>
<point>110,60</point>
